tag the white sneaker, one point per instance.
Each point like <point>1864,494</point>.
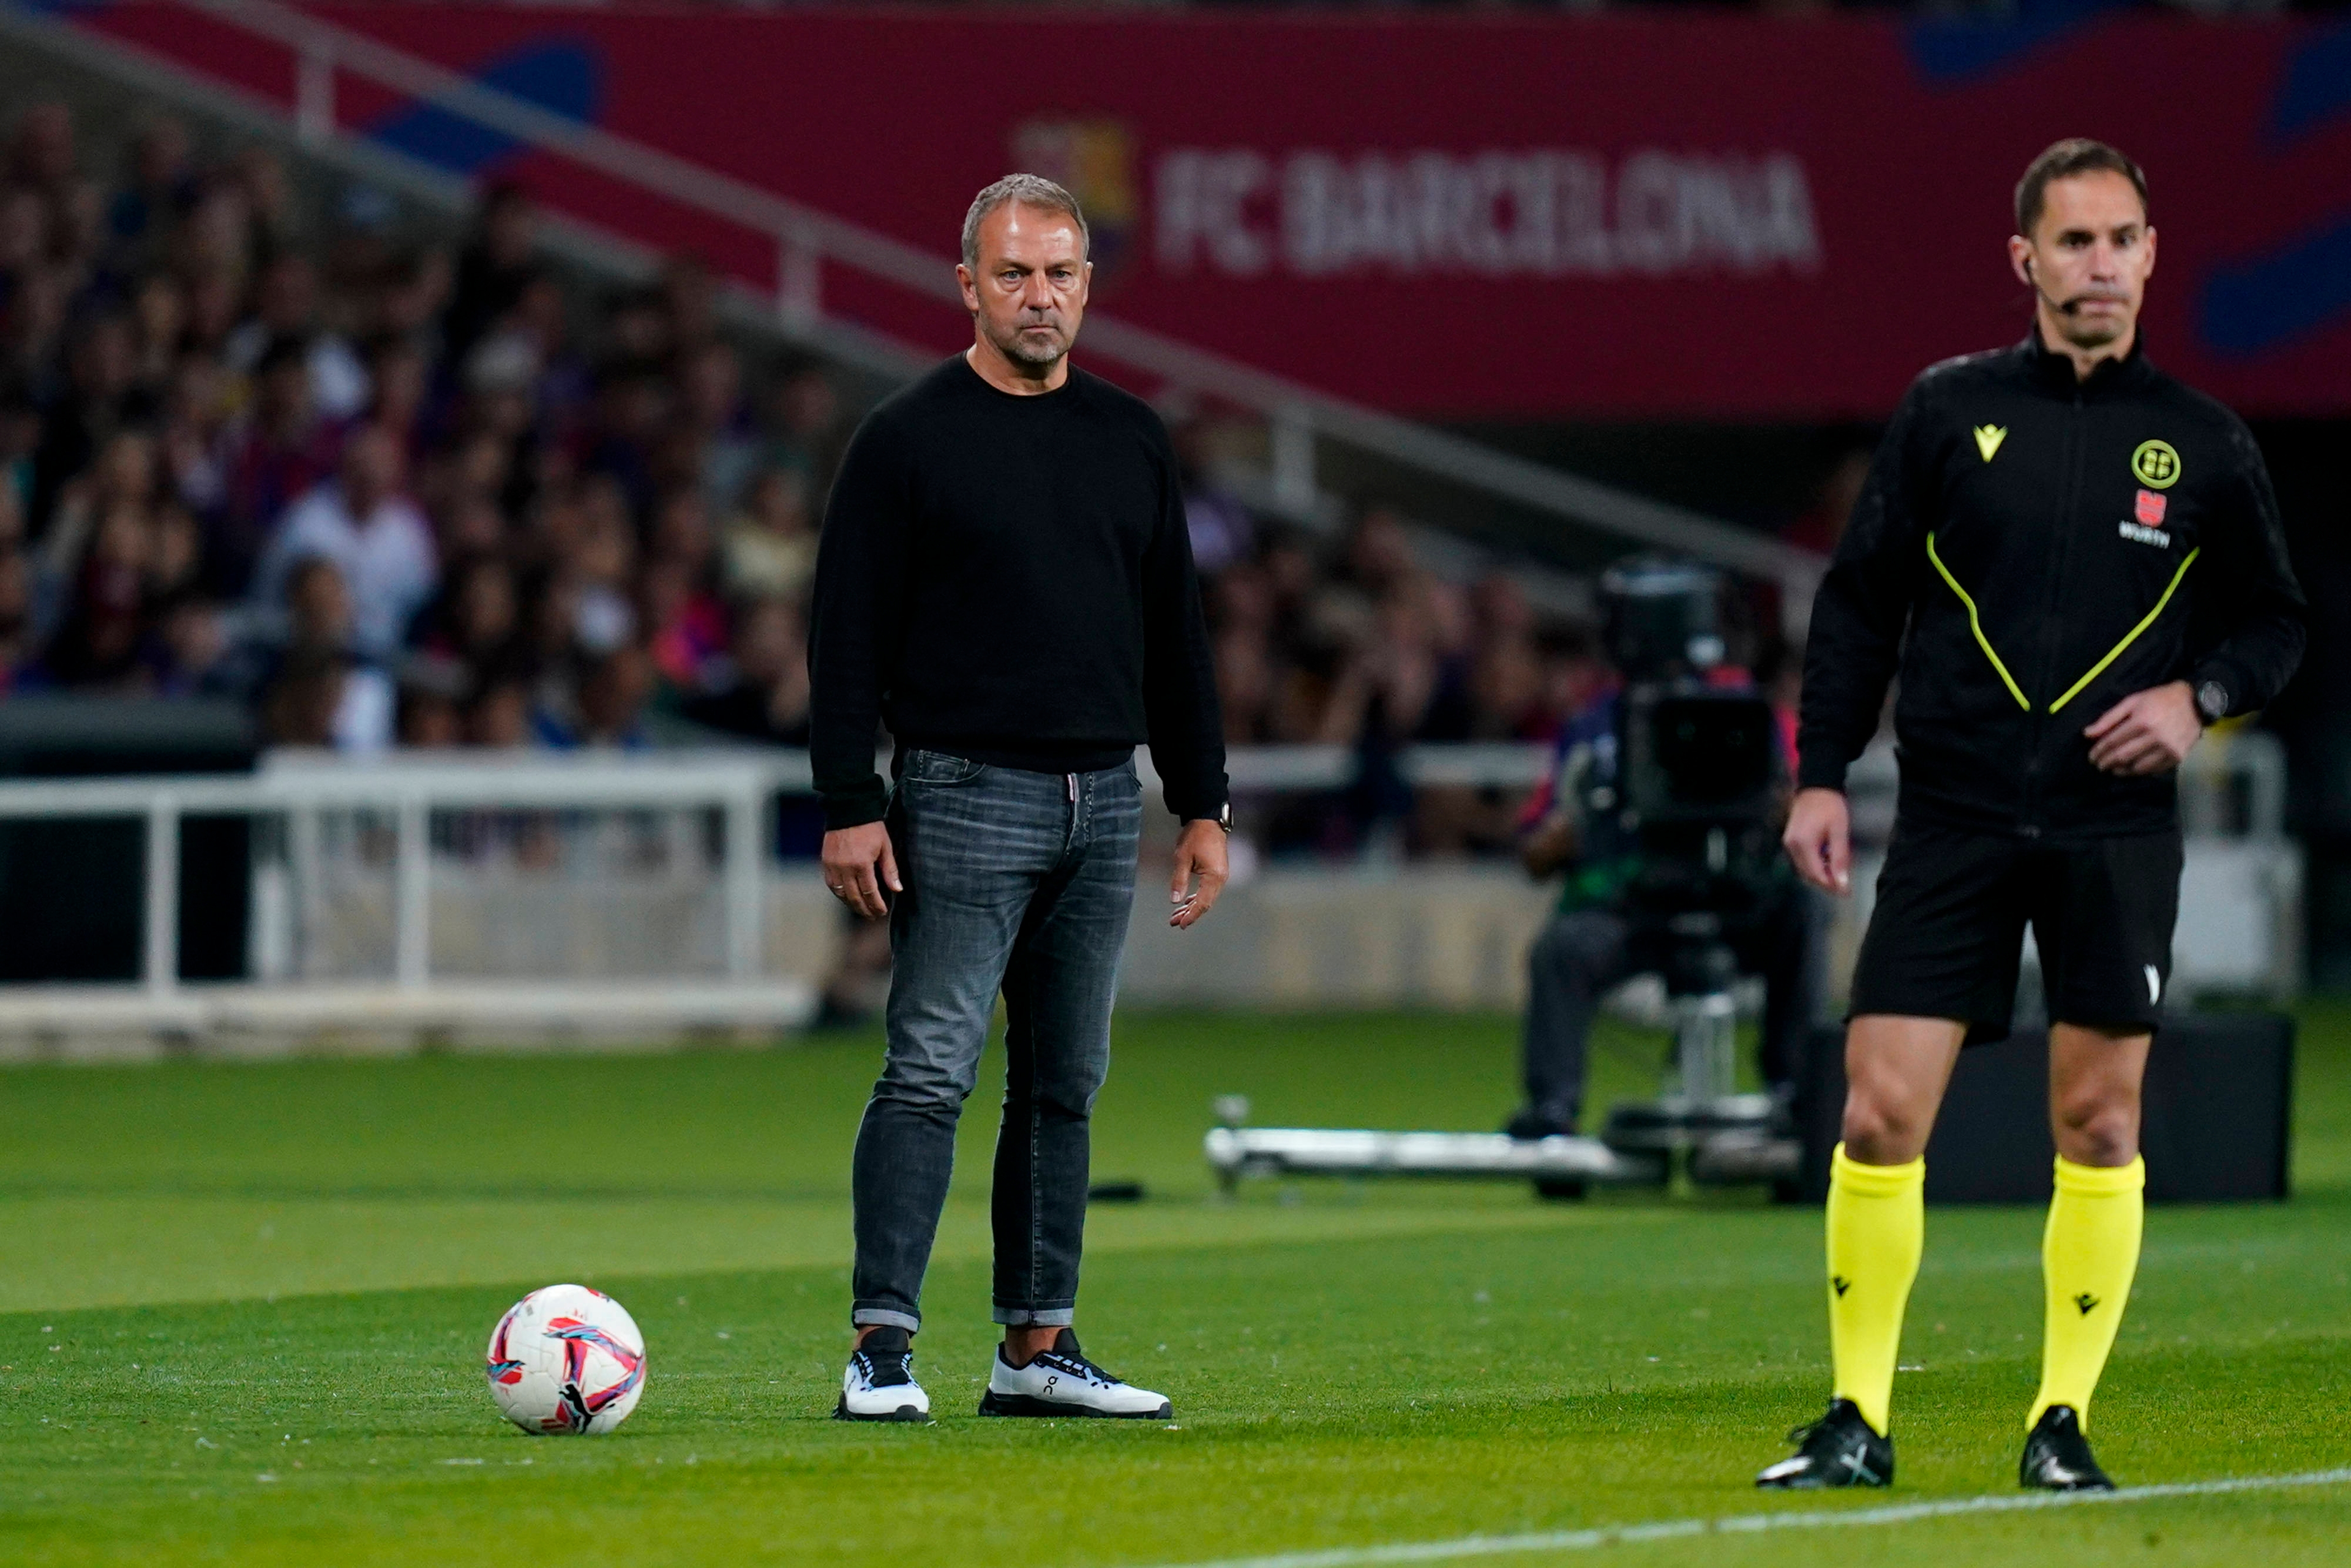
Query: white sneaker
<point>1062,1382</point>
<point>879,1382</point>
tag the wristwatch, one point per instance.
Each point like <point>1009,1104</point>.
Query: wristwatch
<point>1224,818</point>
<point>2213,701</point>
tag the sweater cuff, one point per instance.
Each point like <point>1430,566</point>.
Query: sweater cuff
<point>1821,773</point>
<point>855,806</point>
<point>1194,804</point>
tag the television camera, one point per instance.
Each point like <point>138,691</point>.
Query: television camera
<point>1700,796</point>
<point>1688,788</point>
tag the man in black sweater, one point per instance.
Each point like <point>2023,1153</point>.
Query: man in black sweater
<point>1005,580</point>
<point>2075,564</point>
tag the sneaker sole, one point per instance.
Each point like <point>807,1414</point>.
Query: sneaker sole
<point>2033,1483</point>
<point>841,1412</point>
<point>1815,1483</point>
<point>994,1404</point>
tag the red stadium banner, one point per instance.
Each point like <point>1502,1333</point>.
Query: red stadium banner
<point>1672,217</point>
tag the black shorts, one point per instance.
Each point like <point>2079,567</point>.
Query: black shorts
<point>1948,932</point>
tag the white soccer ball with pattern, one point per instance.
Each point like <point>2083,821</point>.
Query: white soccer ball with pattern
<point>567,1359</point>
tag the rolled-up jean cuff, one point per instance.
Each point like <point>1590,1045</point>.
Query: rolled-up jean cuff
<point>883,1317</point>
<point>1036,1317</point>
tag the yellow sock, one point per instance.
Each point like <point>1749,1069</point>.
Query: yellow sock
<point>2088,1254</point>
<point>1877,1226</point>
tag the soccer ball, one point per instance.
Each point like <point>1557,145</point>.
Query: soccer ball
<point>567,1359</point>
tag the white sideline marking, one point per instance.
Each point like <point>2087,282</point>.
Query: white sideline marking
<point>1756,1523</point>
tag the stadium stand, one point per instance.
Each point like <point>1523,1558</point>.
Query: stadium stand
<point>387,490</point>
<point>618,460</point>
<point>381,493</point>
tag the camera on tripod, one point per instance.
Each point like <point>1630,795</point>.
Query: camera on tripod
<point>1701,782</point>
<point>1684,794</point>
<point>1699,775</point>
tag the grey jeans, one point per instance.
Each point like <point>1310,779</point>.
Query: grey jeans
<point>1018,881</point>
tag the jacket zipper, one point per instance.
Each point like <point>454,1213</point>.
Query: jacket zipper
<point>2052,635</point>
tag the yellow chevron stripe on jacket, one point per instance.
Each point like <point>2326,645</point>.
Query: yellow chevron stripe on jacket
<point>2115,652</point>
<point>1975,624</point>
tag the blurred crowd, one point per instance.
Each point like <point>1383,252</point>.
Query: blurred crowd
<point>389,491</point>
<point>1366,646</point>
<point>1363,646</point>
<point>384,491</point>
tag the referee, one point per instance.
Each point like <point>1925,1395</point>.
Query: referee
<point>1006,582</point>
<point>2075,563</point>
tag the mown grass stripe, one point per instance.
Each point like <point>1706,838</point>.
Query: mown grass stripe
<point>1756,1523</point>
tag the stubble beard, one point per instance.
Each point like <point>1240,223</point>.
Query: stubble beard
<point>1021,349</point>
<point>2093,332</point>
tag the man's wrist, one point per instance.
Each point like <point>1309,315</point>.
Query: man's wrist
<point>1821,774</point>
<point>855,807</point>
<point>1223,817</point>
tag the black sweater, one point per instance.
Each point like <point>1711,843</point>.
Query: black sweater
<point>1009,579</point>
<point>2031,551</point>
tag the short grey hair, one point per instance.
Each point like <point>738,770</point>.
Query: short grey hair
<point>1030,191</point>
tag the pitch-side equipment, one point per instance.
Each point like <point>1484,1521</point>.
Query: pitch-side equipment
<point>1693,791</point>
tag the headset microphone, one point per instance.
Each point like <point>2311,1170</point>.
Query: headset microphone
<point>2063,307</point>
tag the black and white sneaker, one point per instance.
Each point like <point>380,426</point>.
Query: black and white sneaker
<point>879,1382</point>
<point>1062,1382</point>
<point>2057,1456</point>
<point>1840,1450</point>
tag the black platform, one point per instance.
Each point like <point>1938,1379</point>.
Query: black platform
<point>72,893</point>
<point>2218,1099</point>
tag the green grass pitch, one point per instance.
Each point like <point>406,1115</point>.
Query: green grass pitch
<point>243,1308</point>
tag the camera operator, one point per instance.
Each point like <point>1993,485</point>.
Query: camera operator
<point>1662,630</point>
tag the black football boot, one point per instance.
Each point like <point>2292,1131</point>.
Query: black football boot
<point>1840,1450</point>
<point>2057,1456</point>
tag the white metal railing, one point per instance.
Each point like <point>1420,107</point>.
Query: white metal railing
<point>807,239</point>
<point>411,789</point>
<point>1275,769</point>
<point>644,925</point>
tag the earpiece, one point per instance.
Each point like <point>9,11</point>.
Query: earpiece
<point>2063,307</point>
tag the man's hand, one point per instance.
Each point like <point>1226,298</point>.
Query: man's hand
<point>1818,840</point>
<point>858,864</point>
<point>2147,732</point>
<point>1199,852</point>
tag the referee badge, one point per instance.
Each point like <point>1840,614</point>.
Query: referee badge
<point>2157,464</point>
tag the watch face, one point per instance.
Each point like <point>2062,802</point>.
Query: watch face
<point>2212,699</point>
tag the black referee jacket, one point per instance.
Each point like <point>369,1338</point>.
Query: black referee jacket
<point>2030,549</point>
